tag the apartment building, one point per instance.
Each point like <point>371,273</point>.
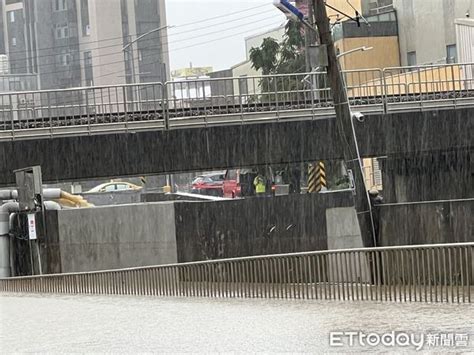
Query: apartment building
<point>71,43</point>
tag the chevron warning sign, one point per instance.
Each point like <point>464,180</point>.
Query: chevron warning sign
<point>316,177</point>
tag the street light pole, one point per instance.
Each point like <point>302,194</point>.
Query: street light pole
<point>128,45</point>
<point>359,49</point>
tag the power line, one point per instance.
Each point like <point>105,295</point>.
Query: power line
<point>183,25</point>
<point>149,39</point>
<point>98,95</point>
<point>165,52</point>
<point>190,46</point>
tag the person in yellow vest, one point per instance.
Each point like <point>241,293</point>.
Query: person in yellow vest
<point>259,183</point>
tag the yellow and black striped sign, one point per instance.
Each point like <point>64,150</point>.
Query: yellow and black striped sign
<point>317,177</point>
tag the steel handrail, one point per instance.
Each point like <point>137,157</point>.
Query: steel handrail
<point>260,257</point>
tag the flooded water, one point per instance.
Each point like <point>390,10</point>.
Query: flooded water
<point>31,323</point>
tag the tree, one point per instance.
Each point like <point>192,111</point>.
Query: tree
<point>265,57</point>
<point>281,58</point>
<point>273,57</point>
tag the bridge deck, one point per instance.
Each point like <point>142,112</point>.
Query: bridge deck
<point>227,101</point>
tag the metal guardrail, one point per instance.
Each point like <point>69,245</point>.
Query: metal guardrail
<point>420,273</point>
<point>133,107</point>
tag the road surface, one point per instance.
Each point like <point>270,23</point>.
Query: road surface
<point>49,323</point>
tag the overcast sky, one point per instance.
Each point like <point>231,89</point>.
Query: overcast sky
<point>221,40</point>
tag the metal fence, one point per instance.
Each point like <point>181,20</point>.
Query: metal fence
<point>421,273</point>
<point>229,100</point>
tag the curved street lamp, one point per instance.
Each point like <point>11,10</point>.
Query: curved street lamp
<point>128,45</point>
<point>359,49</point>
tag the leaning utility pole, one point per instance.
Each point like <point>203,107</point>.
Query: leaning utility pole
<point>345,126</point>
<point>310,36</point>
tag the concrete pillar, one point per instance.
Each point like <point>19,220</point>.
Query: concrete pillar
<point>344,233</point>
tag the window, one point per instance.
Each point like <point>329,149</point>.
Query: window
<point>12,16</point>
<point>61,31</point>
<point>110,188</point>
<point>451,53</point>
<point>60,5</point>
<point>231,175</point>
<point>122,187</point>
<point>64,59</point>
<point>88,58</point>
<point>411,58</point>
<point>13,41</point>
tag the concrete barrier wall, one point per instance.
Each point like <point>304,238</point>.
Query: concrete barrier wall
<point>430,223</point>
<point>114,237</point>
<point>180,231</point>
<point>113,198</point>
<point>254,226</point>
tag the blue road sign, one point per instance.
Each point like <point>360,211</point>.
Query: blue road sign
<point>289,10</point>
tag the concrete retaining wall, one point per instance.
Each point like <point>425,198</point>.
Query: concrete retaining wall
<point>441,222</point>
<point>254,226</point>
<point>114,237</point>
<point>179,231</point>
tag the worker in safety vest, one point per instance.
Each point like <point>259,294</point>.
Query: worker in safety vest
<point>259,183</point>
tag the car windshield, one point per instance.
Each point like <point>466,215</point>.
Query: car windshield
<point>216,177</point>
<point>198,180</point>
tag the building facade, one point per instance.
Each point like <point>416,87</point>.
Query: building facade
<point>381,38</point>
<point>74,43</point>
<point>427,29</point>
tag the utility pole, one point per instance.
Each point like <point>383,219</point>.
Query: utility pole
<point>309,36</point>
<point>345,126</point>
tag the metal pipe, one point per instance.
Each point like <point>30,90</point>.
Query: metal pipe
<point>6,222</point>
<point>50,194</point>
<point>5,211</point>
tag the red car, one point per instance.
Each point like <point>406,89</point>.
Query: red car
<point>208,184</point>
<point>239,183</point>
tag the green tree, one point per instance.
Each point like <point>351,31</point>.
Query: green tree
<point>265,57</point>
<point>284,57</point>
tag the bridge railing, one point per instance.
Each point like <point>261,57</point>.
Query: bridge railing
<point>429,85</point>
<point>419,273</point>
<point>222,100</point>
<point>81,106</point>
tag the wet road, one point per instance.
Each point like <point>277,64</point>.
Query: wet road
<point>139,324</point>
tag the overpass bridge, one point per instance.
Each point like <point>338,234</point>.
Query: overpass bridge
<point>172,127</point>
